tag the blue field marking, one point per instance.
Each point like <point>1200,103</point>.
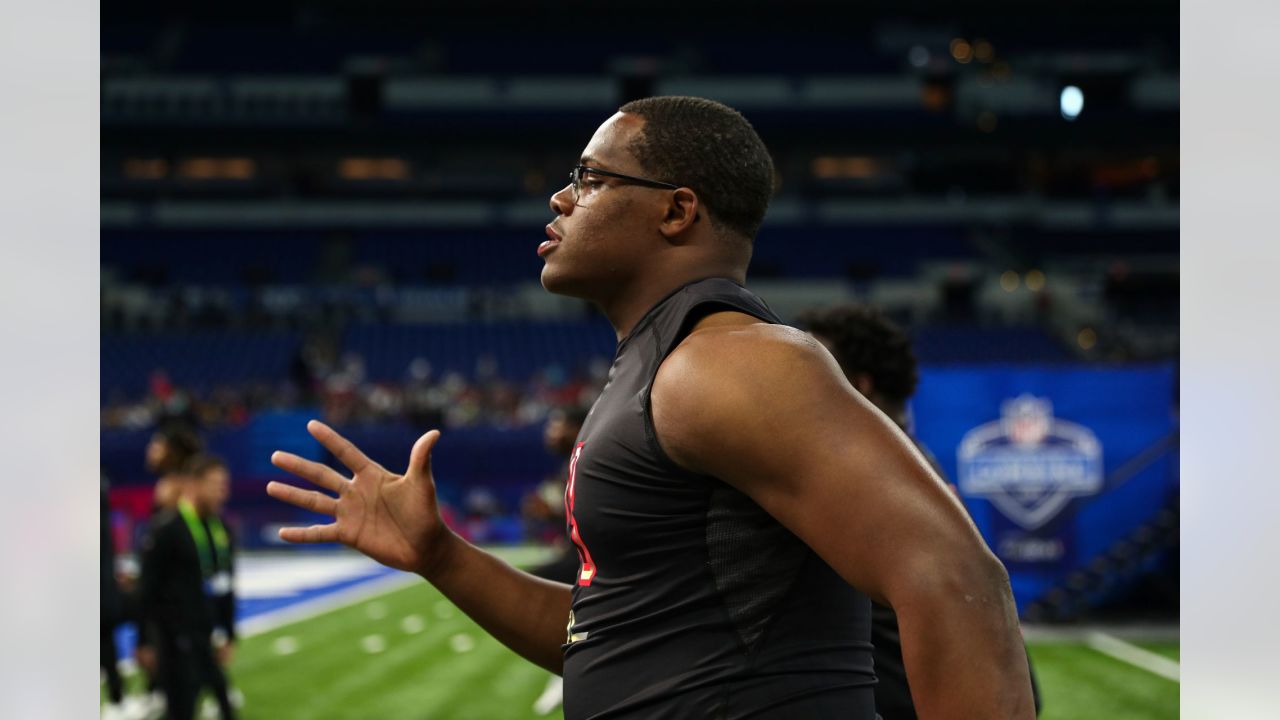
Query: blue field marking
<point>253,606</point>
<point>282,594</point>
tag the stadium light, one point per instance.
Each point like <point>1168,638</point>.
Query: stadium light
<point>1009,280</point>
<point>962,51</point>
<point>1071,102</point>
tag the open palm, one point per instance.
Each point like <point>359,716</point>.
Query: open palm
<point>391,518</point>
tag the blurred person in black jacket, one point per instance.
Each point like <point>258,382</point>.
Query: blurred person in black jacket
<point>543,508</point>
<point>109,609</point>
<point>186,591</point>
<point>173,443</point>
<point>877,358</point>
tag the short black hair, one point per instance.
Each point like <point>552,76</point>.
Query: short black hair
<point>575,414</point>
<point>182,441</point>
<point>863,340</point>
<point>200,463</point>
<point>711,148</point>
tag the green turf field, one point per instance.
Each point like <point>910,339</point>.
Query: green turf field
<point>1079,683</point>
<point>410,655</point>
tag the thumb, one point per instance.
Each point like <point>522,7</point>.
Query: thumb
<point>420,456</point>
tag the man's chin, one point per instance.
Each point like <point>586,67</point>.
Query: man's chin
<point>556,283</point>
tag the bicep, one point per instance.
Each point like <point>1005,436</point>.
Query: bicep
<point>790,432</point>
<point>863,498</point>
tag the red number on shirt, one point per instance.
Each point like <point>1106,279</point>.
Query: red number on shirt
<point>588,570</point>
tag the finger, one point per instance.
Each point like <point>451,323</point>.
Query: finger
<point>420,455</point>
<point>305,499</point>
<point>313,472</point>
<point>341,447</point>
<point>312,534</point>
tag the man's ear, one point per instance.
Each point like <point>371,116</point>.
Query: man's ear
<point>682,210</point>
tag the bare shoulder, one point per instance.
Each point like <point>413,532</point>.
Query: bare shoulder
<point>731,373</point>
<point>730,343</point>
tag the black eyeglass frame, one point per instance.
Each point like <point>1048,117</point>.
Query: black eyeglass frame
<point>575,179</point>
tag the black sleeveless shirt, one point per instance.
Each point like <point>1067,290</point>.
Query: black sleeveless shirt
<point>692,601</point>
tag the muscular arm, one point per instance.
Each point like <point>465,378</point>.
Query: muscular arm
<point>766,409</point>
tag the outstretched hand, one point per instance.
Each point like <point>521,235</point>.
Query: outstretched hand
<point>393,519</point>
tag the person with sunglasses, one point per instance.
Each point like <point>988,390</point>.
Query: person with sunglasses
<point>734,502</point>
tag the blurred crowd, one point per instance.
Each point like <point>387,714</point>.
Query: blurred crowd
<point>344,394</point>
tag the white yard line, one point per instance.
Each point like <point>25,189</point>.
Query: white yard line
<point>1135,632</point>
<point>1120,650</point>
<point>328,602</point>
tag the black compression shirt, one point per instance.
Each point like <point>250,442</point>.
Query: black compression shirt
<point>691,601</point>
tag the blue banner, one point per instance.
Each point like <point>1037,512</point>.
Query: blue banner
<point>1055,464</point>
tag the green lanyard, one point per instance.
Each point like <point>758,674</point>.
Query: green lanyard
<point>209,561</point>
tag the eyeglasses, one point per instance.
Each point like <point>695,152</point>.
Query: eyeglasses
<point>576,175</point>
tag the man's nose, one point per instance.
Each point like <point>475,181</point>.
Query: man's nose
<point>562,201</point>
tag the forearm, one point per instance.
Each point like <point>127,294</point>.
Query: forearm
<point>525,613</point>
<point>147,591</point>
<point>227,615</point>
<point>963,649</point>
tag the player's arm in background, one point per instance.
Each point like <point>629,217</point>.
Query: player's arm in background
<point>157,550</point>
<point>395,520</point>
<point>226,607</point>
<point>766,409</point>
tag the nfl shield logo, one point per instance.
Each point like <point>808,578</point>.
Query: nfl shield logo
<point>1026,419</point>
<point>1029,464</point>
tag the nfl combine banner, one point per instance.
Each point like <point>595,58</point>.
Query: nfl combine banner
<point>1030,465</point>
<point>1056,465</point>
